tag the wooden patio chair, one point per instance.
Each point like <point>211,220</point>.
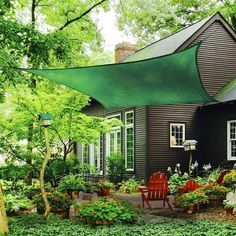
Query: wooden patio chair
<point>156,190</point>
<point>221,176</point>
<point>189,186</point>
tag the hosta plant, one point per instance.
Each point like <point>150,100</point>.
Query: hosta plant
<point>129,186</point>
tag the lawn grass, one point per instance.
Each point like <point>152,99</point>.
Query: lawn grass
<point>35,225</point>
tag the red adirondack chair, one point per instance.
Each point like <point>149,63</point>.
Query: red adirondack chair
<point>156,190</point>
<point>221,176</point>
<point>189,186</point>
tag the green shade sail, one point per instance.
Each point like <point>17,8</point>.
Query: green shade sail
<point>170,79</point>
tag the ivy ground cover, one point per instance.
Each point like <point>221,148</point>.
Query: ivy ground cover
<point>26,225</point>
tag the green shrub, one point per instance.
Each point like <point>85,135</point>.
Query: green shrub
<point>214,189</point>
<point>108,209</point>
<point>56,200</point>
<point>116,168</point>
<point>129,186</point>
<point>193,198</point>
<point>176,181</point>
<point>71,183</point>
<point>14,204</point>
<point>230,179</point>
<point>106,184</point>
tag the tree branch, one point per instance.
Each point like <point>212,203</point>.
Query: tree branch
<point>81,16</point>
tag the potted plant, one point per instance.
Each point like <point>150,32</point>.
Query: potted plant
<point>229,207</point>
<point>192,200</point>
<point>105,187</point>
<point>215,192</point>
<point>71,183</point>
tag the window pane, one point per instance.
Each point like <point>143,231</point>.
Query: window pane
<point>233,148</point>
<point>112,142</point>
<point>177,134</point>
<point>129,118</point>
<point>130,148</point>
<point>232,130</point>
<point>86,153</point>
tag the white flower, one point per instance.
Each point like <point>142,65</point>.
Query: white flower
<point>195,164</point>
<point>178,165</point>
<point>192,167</point>
<point>186,174</point>
<point>206,167</point>
<point>176,170</point>
<point>169,169</point>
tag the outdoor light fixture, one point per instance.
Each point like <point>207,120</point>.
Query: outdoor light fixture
<point>45,119</point>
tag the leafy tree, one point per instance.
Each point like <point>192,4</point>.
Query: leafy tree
<point>160,18</point>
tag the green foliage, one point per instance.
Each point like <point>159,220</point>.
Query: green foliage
<point>36,225</point>
<point>176,181</point>
<point>148,22</point>
<point>15,203</point>
<point>108,209</point>
<point>230,179</point>
<point>196,197</point>
<point>106,184</point>
<point>71,183</point>
<point>214,189</point>
<point>56,200</point>
<point>129,186</point>
<point>116,168</point>
<point>229,204</point>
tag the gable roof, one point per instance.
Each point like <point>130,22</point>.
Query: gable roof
<point>175,41</point>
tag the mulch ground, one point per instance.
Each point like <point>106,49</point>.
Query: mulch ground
<point>216,214</point>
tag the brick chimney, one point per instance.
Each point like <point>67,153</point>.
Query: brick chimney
<point>124,49</point>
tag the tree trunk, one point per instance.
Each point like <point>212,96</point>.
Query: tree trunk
<point>3,215</point>
<point>42,172</point>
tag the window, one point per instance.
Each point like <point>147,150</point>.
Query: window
<point>91,155</point>
<point>129,140</point>
<point>113,138</point>
<point>231,140</point>
<point>177,135</point>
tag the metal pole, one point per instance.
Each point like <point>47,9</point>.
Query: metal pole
<point>3,216</point>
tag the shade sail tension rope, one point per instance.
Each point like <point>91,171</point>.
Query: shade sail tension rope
<point>170,79</point>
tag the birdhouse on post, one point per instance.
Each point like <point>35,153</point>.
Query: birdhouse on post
<point>45,119</point>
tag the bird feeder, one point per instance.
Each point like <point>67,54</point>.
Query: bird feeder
<point>189,146</point>
<point>45,119</point>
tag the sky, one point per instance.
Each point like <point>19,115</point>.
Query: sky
<point>107,25</point>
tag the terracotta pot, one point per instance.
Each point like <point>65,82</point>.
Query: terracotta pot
<point>191,209</point>
<point>105,191</point>
<point>229,211</point>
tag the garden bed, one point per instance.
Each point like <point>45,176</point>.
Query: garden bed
<point>37,226</point>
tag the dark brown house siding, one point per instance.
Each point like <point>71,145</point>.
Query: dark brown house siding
<point>217,65</point>
<point>214,132</point>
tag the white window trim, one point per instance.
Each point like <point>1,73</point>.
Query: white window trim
<point>113,129</point>
<point>171,124</point>
<point>126,127</point>
<point>229,157</point>
<point>91,155</point>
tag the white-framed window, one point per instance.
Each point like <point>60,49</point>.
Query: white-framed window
<point>129,140</point>
<point>91,155</point>
<point>177,135</point>
<point>231,140</point>
<point>113,138</point>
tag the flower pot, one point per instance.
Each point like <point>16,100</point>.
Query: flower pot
<point>105,191</point>
<point>191,209</point>
<point>229,211</point>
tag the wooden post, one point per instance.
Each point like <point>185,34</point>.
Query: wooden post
<point>42,173</point>
<point>190,163</point>
<point>3,215</point>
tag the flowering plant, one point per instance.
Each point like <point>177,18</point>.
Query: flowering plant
<point>56,200</point>
<point>193,198</point>
<point>214,189</point>
<point>230,178</point>
<point>108,209</point>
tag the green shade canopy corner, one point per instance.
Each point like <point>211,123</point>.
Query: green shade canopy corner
<point>170,79</point>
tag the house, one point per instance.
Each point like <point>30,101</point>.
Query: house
<point>152,136</point>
